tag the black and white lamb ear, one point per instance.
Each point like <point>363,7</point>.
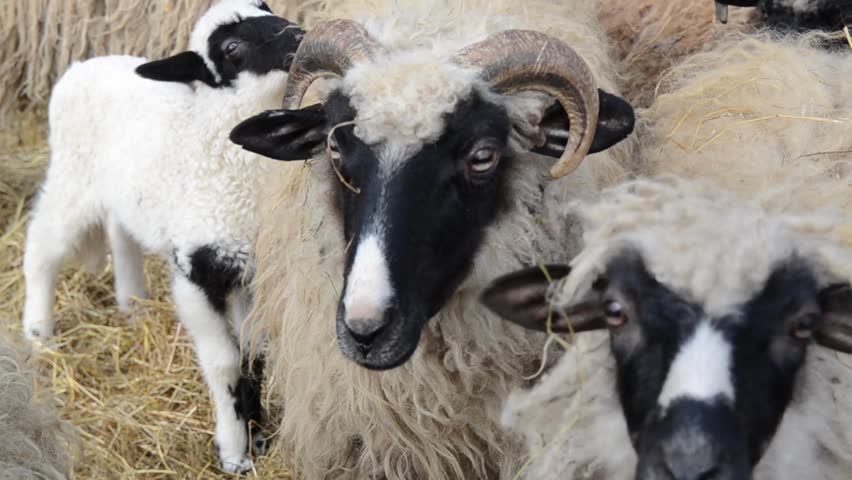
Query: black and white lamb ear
<point>521,298</point>
<point>184,67</point>
<point>616,120</point>
<point>834,330</point>
<point>284,134</point>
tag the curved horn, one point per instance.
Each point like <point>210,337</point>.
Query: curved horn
<point>328,50</point>
<point>516,60</point>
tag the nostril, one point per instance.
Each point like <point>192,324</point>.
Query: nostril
<point>365,331</point>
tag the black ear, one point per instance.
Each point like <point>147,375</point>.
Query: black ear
<point>834,330</point>
<point>615,123</point>
<point>284,134</point>
<point>184,67</point>
<point>521,298</point>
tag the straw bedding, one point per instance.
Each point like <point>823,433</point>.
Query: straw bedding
<point>134,392</point>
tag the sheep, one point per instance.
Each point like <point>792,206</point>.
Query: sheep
<point>381,231</point>
<point>34,442</point>
<point>749,149</point>
<point>140,156</point>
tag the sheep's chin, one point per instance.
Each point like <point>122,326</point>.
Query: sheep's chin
<point>391,349</point>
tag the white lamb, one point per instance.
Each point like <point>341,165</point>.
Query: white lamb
<point>148,164</point>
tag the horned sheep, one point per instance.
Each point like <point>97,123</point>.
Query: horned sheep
<point>421,183</point>
<point>148,165</point>
<point>723,283</point>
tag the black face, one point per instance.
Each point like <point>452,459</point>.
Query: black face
<point>413,220</point>
<point>676,433</point>
<point>255,44</point>
<point>258,45</point>
<point>428,211</point>
<point>712,438</point>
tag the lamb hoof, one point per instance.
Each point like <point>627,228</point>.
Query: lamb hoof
<point>38,332</point>
<point>259,445</point>
<point>129,306</point>
<point>237,466</point>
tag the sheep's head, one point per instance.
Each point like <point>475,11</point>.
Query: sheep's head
<point>703,383</point>
<point>424,146</point>
<point>232,37</point>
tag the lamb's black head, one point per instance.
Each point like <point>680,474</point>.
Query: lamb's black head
<point>232,37</point>
<point>702,393</point>
<point>424,149</point>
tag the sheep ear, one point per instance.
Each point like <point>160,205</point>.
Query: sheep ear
<point>184,67</point>
<point>284,134</point>
<point>835,328</point>
<point>521,298</point>
<point>615,122</point>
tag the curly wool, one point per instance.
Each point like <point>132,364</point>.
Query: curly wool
<point>34,442</point>
<point>436,416</point>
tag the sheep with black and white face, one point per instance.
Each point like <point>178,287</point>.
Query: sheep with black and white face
<point>722,315</point>
<point>419,141</point>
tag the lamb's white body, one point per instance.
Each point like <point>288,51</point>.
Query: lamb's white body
<point>435,416</point>
<point>770,121</point>
<point>149,166</point>
<point>130,153</point>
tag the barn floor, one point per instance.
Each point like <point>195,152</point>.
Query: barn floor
<point>130,386</point>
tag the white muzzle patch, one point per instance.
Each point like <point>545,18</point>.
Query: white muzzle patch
<point>701,370</point>
<point>368,288</point>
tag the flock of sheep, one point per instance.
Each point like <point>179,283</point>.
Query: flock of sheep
<point>695,251</point>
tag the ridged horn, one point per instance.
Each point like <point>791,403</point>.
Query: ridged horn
<point>517,60</point>
<point>328,50</point>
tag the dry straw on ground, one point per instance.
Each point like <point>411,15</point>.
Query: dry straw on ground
<point>133,391</point>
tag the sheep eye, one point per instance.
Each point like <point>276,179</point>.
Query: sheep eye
<point>333,148</point>
<point>231,48</point>
<point>803,329</point>
<point>483,160</point>
<point>614,312</point>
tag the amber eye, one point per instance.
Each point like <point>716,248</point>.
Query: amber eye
<point>614,312</point>
<point>483,160</point>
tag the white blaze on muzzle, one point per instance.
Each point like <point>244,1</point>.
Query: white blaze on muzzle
<point>368,288</point>
<point>701,370</point>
